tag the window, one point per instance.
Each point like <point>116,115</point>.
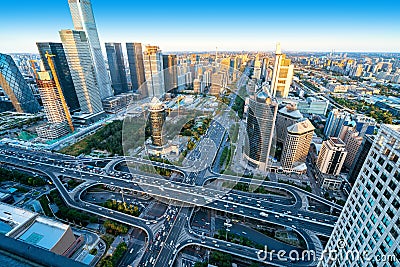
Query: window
<point>378,211</point>
<point>379,185</point>
<point>389,168</point>
<point>392,186</point>
<point>381,161</point>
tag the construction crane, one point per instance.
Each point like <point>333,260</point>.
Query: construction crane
<point>60,92</point>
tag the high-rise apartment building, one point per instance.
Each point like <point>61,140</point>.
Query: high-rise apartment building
<point>282,75</point>
<point>218,82</point>
<point>261,116</point>
<point>367,232</point>
<point>55,107</point>
<point>335,121</point>
<point>15,86</point>
<point>157,119</point>
<point>153,68</point>
<point>83,74</point>
<point>360,158</point>
<point>297,144</point>
<point>116,67</point>
<point>170,72</point>
<point>287,116</point>
<point>62,69</point>
<point>83,19</point>
<point>136,67</point>
<point>353,142</point>
<point>331,156</point>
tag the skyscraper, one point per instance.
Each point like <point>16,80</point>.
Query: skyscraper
<point>360,158</point>
<point>136,67</point>
<point>153,68</point>
<point>260,127</point>
<point>170,72</point>
<point>353,142</point>
<point>367,232</point>
<point>335,121</point>
<point>15,87</point>
<point>117,68</point>
<point>83,19</point>
<point>297,144</point>
<point>55,107</point>
<point>282,75</point>
<point>287,116</point>
<point>62,70</point>
<point>83,74</point>
<point>157,119</point>
<point>331,156</point>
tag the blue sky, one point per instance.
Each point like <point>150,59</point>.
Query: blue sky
<point>203,25</point>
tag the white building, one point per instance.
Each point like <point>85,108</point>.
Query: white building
<point>282,75</point>
<point>369,224</point>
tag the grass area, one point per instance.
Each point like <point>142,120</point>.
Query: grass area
<point>108,138</point>
<point>233,132</point>
<point>93,251</point>
<point>111,261</point>
<point>44,202</point>
<point>115,228</point>
<point>122,207</point>
<point>21,177</point>
<point>245,187</point>
<point>222,234</point>
<point>306,188</point>
<point>238,105</point>
<point>70,214</point>
<point>108,239</point>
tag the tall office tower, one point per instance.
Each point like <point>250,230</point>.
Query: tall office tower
<point>116,66</point>
<point>331,156</point>
<point>55,107</point>
<point>136,67</point>
<point>257,69</point>
<point>153,69</point>
<point>83,74</point>
<point>15,87</point>
<point>282,75</point>
<point>335,121</point>
<point>62,70</point>
<point>367,232</point>
<point>360,157</point>
<point>297,144</point>
<point>83,19</point>
<point>170,72</point>
<point>157,119</point>
<point>286,117</point>
<point>264,70</point>
<point>353,142</point>
<point>260,127</point>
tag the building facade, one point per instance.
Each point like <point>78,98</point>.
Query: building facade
<point>83,74</point>
<point>136,67</point>
<point>335,121</point>
<point>367,232</point>
<point>153,68</point>
<point>15,87</point>
<point>360,157</point>
<point>331,156</point>
<point>261,116</point>
<point>157,119</point>
<point>282,75</point>
<point>116,67</point>
<point>353,142</point>
<point>83,19</point>
<point>287,116</point>
<point>297,144</point>
<point>62,69</point>
<point>170,72</point>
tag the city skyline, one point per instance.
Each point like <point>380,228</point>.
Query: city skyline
<point>301,27</point>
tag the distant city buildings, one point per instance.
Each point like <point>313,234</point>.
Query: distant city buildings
<point>261,116</point>
<point>116,67</point>
<point>83,19</point>
<point>282,75</point>
<point>153,67</point>
<point>81,65</point>
<point>368,228</point>
<point>15,86</point>
<point>62,69</point>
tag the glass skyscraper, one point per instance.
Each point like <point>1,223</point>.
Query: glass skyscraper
<point>136,67</point>
<point>117,68</point>
<point>62,70</point>
<point>15,87</point>
<point>83,19</point>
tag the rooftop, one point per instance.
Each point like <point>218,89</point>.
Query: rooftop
<point>301,127</point>
<point>14,217</point>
